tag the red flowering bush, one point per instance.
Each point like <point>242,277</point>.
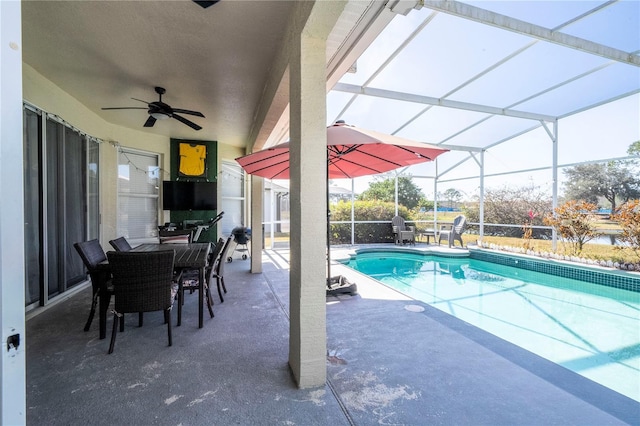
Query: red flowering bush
<point>628,217</point>
<point>575,222</point>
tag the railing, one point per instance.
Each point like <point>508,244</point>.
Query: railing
<point>380,231</point>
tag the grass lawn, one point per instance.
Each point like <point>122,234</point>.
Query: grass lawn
<point>590,251</point>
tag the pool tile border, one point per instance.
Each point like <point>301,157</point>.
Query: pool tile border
<point>617,279</point>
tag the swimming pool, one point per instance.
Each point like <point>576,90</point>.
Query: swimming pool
<point>588,328</point>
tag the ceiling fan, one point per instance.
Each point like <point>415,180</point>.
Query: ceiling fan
<point>158,110</point>
<point>205,4</point>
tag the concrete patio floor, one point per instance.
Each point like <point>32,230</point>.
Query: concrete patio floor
<point>391,360</point>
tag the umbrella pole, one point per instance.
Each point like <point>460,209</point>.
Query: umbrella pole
<point>338,284</point>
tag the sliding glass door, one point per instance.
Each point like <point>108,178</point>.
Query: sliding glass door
<point>61,204</point>
<point>32,206</point>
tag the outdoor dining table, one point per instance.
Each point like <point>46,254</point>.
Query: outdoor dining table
<point>188,256</point>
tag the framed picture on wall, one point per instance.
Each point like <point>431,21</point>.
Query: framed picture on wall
<point>193,160</point>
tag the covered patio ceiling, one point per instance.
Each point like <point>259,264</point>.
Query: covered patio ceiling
<point>227,61</point>
<point>473,75</point>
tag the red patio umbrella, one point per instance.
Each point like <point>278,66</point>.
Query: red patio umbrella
<point>351,152</point>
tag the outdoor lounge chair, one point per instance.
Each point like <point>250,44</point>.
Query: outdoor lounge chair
<point>401,232</point>
<point>453,233</point>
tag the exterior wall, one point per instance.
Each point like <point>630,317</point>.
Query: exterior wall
<point>43,94</point>
<point>228,153</point>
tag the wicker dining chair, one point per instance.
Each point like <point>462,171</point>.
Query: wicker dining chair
<point>94,257</point>
<point>217,271</point>
<point>142,282</point>
<point>190,280</point>
<point>120,244</point>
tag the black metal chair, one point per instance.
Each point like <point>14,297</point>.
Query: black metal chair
<point>142,282</point>
<point>120,244</point>
<point>94,259</point>
<point>217,271</point>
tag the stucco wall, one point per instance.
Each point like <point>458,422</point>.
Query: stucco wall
<point>42,93</point>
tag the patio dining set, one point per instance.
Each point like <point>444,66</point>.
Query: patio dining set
<point>152,277</point>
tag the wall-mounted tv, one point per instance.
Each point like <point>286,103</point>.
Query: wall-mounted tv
<point>179,195</point>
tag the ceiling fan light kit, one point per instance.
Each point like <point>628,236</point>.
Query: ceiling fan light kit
<point>159,115</point>
<point>158,110</point>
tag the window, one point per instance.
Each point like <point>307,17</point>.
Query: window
<point>232,197</point>
<point>138,189</point>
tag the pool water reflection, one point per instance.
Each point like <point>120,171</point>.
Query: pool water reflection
<point>591,329</point>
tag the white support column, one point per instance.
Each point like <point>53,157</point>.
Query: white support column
<point>435,200</point>
<point>353,212</point>
<point>395,196</point>
<point>12,296</point>
<point>481,218</point>
<point>553,135</point>
<point>257,233</point>
<point>273,207</point>
<point>554,202</point>
<point>308,180</point>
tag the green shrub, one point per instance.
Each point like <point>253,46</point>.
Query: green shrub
<point>374,211</point>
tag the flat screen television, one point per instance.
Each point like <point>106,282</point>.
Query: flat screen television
<point>179,195</point>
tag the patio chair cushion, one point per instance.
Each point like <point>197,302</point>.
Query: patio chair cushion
<point>175,239</point>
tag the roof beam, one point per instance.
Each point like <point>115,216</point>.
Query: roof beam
<point>419,99</point>
<point>483,16</point>
<point>462,148</point>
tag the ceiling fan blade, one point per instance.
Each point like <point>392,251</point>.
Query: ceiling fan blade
<point>126,108</point>
<point>150,122</point>
<point>140,100</point>
<point>191,124</point>
<point>186,111</point>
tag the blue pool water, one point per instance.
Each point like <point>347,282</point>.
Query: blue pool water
<point>591,329</point>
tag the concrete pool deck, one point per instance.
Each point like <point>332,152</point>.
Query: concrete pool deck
<point>391,360</point>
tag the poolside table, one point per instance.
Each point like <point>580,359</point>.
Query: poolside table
<point>428,233</point>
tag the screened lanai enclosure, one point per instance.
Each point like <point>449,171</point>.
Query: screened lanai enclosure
<point>517,90</point>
